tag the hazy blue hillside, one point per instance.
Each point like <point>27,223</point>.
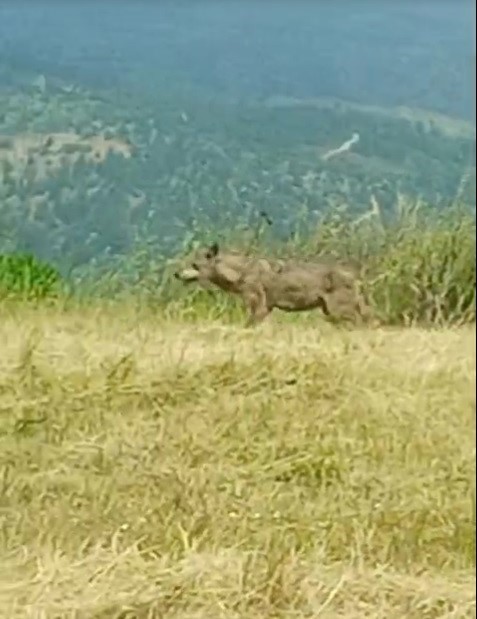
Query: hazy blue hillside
<point>127,122</point>
<point>419,54</point>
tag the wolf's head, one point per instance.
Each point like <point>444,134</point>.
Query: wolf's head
<point>211,265</point>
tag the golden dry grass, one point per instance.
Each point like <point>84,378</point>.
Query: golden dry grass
<point>157,468</point>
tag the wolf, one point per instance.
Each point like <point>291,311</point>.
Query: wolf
<point>291,286</point>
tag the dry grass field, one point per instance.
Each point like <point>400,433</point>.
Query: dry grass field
<point>153,467</point>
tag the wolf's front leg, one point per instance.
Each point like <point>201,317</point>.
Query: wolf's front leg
<point>256,303</point>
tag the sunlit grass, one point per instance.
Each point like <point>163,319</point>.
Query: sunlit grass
<point>153,466</point>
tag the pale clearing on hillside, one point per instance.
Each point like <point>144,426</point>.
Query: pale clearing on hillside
<point>154,468</point>
<point>45,153</point>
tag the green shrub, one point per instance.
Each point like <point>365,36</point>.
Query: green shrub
<point>23,275</point>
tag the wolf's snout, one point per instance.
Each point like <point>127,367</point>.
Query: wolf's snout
<point>187,275</point>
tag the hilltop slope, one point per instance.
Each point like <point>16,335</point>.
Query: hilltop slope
<point>201,470</point>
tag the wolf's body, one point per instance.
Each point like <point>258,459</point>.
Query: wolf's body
<point>290,286</point>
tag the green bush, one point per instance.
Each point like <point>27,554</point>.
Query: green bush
<point>23,275</point>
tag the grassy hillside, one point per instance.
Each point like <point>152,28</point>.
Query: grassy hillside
<point>154,468</point>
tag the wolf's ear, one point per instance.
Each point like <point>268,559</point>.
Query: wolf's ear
<point>213,250</point>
